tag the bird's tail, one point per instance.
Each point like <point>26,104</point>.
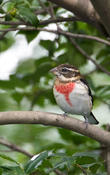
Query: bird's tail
<point>92,119</point>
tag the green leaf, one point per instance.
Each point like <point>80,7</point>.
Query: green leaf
<point>36,161</point>
<point>26,67</point>
<point>1,171</point>
<point>28,16</point>
<point>103,92</point>
<point>93,154</point>
<point>8,158</point>
<point>30,35</point>
<point>6,102</point>
<point>67,161</point>
<point>15,81</point>
<point>94,167</point>
<point>6,43</point>
<point>9,170</point>
<point>1,1</point>
<point>85,161</point>
<point>17,97</point>
<point>70,55</point>
<point>48,45</point>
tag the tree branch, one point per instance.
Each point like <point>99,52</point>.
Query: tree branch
<point>84,10</point>
<point>45,118</point>
<point>43,11</point>
<point>68,34</point>
<point>82,169</point>
<point>58,32</point>
<point>103,9</point>
<point>2,35</point>
<point>44,22</point>
<point>87,56</point>
<point>58,172</point>
<point>14,147</point>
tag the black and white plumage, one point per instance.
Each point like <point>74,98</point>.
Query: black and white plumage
<point>72,92</point>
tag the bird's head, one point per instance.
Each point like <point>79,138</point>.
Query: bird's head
<point>66,72</point>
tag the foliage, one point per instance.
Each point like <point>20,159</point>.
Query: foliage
<point>30,88</point>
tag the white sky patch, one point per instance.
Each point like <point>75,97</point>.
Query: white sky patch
<point>10,58</point>
<point>19,51</point>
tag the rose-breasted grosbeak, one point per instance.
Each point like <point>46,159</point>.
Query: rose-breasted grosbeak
<point>72,92</point>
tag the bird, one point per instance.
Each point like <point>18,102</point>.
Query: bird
<point>72,92</point>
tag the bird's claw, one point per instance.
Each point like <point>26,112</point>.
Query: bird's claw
<point>65,114</point>
<point>86,122</point>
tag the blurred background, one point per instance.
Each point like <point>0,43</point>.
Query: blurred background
<point>26,84</point>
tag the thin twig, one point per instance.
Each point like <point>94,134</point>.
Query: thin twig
<point>108,153</point>
<point>76,35</point>
<point>52,11</point>
<point>41,11</point>
<point>88,57</point>
<point>53,15</point>
<point>59,32</point>
<point>14,147</point>
<point>2,35</point>
<point>108,160</point>
<point>82,169</point>
<point>45,22</point>
<point>43,6</point>
<point>58,172</point>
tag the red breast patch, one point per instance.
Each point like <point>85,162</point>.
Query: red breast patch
<point>65,89</point>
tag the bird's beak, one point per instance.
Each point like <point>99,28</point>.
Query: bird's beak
<point>54,70</point>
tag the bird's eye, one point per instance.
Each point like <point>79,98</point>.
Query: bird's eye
<point>64,69</point>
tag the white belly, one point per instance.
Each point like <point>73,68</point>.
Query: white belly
<point>80,101</point>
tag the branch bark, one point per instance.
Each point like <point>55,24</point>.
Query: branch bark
<point>103,9</point>
<point>84,10</point>
<point>45,118</point>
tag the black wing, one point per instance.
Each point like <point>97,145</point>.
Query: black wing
<point>89,91</point>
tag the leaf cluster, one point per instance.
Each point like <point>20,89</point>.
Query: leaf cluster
<point>30,88</point>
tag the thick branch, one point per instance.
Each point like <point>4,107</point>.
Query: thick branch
<point>103,8</point>
<point>84,10</point>
<point>45,118</point>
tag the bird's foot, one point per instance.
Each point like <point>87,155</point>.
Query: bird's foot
<point>65,114</point>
